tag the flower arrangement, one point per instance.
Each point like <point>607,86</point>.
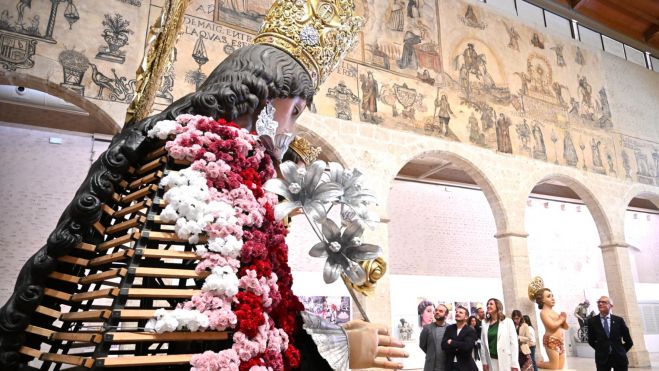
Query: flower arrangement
<point>229,195</point>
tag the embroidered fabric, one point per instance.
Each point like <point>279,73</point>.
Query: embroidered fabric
<point>553,343</point>
<point>266,129</point>
<point>331,340</point>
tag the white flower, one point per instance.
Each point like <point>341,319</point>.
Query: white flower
<point>178,319</point>
<point>228,247</point>
<point>162,129</point>
<point>222,280</point>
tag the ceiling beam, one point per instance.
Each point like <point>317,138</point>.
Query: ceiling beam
<point>565,11</point>
<point>629,11</point>
<point>434,170</point>
<point>651,32</point>
<point>575,4</point>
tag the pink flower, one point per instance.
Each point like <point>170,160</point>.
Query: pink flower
<point>210,361</point>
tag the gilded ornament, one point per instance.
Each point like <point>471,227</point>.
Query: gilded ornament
<point>536,285</point>
<point>303,148</point>
<point>375,269</point>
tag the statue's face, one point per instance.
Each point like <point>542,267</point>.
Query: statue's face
<point>287,112</point>
<point>427,315</point>
<point>548,298</point>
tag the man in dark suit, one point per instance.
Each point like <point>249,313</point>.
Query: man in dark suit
<point>458,343</point>
<point>609,336</point>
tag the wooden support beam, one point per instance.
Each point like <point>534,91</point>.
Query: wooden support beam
<point>69,360</point>
<point>48,312</point>
<point>39,331</point>
<point>162,293</point>
<point>651,32</point>
<point>168,254</point>
<point>78,337</point>
<point>161,151</point>
<point>434,170</point>
<point>30,352</point>
<point>111,258</point>
<point>135,314</point>
<point>136,361</point>
<point>86,247</point>
<point>147,179</point>
<point>131,223</point>
<point>169,237</point>
<point>91,295</point>
<point>169,273</point>
<point>57,294</point>
<point>64,277</point>
<point>103,276</point>
<point>138,194</point>
<point>152,165</point>
<point>132,208</point>
<point>90,316</point>
<point>118,241</point>
<point>137,337</point>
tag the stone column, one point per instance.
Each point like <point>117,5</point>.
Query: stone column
<point>620,282</point>
<point>515,271</point>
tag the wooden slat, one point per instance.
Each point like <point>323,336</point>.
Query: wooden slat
<point>48,312</point>
<point>69,360</point>
<point>39,331</point>
<point>132,208</point>
<point>90,295</point>
<point>169,237</point>
<point>135,337</point>
<point>151,165</point>
<point>86,247</point>
<point>168,254</point>
<point>123,184</point>
<point>162,293</point>
<point>107,209</point>
<point>57,294</point>
<point>135,361</point>
<point>169,273</point>
<point>116,197</point>
<point>134,222</point>
<point>73,260</point>
<point>118,241</point>
<point>182,162</point>
<point>92,315</point>
<point>161,151</point>
<point>150,178</point>
<point>138,194</point>
<point>110,258</point>
<point>64,277</point>
<point>79,337</point>
<point>103,276</point>
<point>100,228</point>
<point>30,352</point>
<point>136,314</point>
<point>158,220</point>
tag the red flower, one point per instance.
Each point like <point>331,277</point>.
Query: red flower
<point>291,358</point>
<point>245,366</point>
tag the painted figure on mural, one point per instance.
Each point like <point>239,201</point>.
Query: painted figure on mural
<point>642,168</point>
<point>369,96</point>
<point>525,79</point>
<point>560,60</point>
<point>605,111</point>
<point>344,99</point>
<point>655,158</point>
<point>444,115</point>
<point>585,90</point>
<point>524,133</point>
<point>395,15</point>
<point>536,41</point>
<point>597,156</point>
<point>405,330</point>
<point>475,136</point>
<point>609,160</point>
<point>20,7</point>
<point>239,6</point>
<point>503,134</point>
<point>558,91</point>
<point>626,164</point>
<point>574,106</point>
<point>539,149</point>
<point>569,151</point>
<point>513,37</point>
<point>409,58</point>
<point>579,58</point>
<point>411,5</point>
<point>488,117</point>
<point>471,20</point>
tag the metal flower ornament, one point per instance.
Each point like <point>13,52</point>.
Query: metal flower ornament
<point>314,191</point>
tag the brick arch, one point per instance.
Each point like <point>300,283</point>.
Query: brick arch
<point>492,195</point>
<point>107,125</point>
<point>592,202</point>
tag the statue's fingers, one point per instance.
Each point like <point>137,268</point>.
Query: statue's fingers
<point>390,352</point>
<point>381,363</point>
<point>388,341</point>
<point>383,330</point>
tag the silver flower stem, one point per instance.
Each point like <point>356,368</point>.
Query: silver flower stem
<point>313,226</point>
<point>357,303</point>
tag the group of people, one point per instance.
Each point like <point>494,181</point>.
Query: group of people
<point>499,342</point>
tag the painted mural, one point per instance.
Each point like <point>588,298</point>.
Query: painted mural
<point>450,69</point>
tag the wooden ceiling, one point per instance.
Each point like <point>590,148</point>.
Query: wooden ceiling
<point>637,19</point>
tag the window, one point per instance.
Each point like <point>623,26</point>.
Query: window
<point>590,37</point>
<point>530,13</point>
<point>558,24</point>
<point>650,318</point>
<point>614,47</point>
<point>635,55</point>
<point>505,6</point>
<point>655,63</point>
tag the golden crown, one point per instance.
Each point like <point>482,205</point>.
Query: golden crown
<point>303,148</point>
<point>536,285</point>
<point>317,33</point>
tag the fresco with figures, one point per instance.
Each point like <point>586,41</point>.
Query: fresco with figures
<point>449,69</point>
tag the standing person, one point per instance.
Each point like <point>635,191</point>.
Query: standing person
<point>527,320</point>
<point>498,340</point>
<point>609,336</point>
<point>430,341</point>
<point>474,323</point>
<point>523,336</point>
<point>458,343</point>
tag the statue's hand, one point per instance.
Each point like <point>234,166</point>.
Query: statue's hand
<point>368,341</point>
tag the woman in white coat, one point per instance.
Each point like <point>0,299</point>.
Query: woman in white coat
<point>498,340</point>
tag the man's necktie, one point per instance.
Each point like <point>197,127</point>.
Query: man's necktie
<point>606,327</point>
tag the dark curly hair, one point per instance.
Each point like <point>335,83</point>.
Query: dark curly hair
<point>241,82</point>
<point>539,295</point>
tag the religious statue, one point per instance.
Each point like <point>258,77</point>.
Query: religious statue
<point>555,323</point>
<point>405,330</point>
<point>581,312</point>
<point>218,147</point>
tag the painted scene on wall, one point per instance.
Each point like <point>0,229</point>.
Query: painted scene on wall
<point>335,309</point>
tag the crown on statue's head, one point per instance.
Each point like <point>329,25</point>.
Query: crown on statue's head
<point>305,150</point>
<point>317,33</point>
<point>536,285</point>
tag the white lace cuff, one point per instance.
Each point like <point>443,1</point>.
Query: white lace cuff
<point>331,340</point>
